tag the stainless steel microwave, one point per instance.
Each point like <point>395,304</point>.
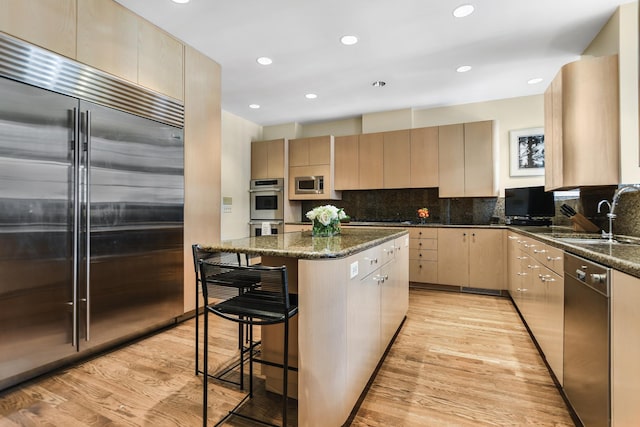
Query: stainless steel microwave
<point>310,185</point>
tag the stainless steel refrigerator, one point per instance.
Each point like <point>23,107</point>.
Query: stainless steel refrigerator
<point>91,212</point>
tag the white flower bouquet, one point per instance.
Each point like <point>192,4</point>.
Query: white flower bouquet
<point>326,220</point>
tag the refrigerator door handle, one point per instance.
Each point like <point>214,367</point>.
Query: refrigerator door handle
<point>87,200</point>
<point>75,150</point>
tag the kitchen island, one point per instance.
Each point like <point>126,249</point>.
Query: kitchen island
<point>353,296</point>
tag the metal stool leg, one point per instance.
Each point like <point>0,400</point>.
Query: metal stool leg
<point>205,374</point>
<point>285,373</point>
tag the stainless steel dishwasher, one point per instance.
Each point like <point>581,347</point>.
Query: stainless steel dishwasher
<point>586,339</point>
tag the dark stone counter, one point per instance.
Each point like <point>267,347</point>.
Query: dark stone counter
<point>302,245</point>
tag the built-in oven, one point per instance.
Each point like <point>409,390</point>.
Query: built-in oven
<point>267,199</point>
<point>586,340</point>
<point>261,228</point>
<point>309,184</point>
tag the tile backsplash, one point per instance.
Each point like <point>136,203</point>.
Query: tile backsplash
<point>402,205</point>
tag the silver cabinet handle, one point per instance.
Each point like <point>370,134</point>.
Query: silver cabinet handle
<point>558,258</point>
<point>539,251</point>
<point>512,237</point>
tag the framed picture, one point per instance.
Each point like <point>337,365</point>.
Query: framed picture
<point>527,152</point>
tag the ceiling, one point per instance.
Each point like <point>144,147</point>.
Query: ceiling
<point>414,46</point>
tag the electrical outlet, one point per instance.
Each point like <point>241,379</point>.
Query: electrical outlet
<point>354,269</point>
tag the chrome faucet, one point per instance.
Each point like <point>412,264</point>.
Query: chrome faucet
<point>612,207</point>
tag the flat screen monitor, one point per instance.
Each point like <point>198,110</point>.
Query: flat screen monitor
<point>530,202</point>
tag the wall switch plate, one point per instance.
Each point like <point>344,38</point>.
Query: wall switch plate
<point>353,269</point>
<point>226,209</point>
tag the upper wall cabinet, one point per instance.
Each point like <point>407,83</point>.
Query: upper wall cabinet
<point>312,157</point>
<point>466,159</point>
<point>424,157</point>
<point>45,23</point>
<point>370,161</point>
<point>102,34</point>
<point>397,159</point>
<point>267,159</point>
<point>108,38</point>
<point>347,162</point>
<point>582,126</point>
<point>310,151</point>
<point>160,61</point>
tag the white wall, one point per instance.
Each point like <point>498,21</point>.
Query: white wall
<point>237,134</point>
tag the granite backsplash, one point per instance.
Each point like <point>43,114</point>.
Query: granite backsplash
<point>402,205</point>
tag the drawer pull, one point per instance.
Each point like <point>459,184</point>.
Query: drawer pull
<point>539,251</point>
<point>558,258</point>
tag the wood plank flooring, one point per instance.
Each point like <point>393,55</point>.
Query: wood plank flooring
<point>460,360</point>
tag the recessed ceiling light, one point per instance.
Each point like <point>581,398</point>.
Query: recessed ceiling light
<point>263,60</point>
<point>463,68</point>
<point>254,106</point>
<point>378,83</point>
<point>535,81</point>
<point>311,96</point>
<point>181,1</point>
<point>348,40</point>
<point>463,10</point>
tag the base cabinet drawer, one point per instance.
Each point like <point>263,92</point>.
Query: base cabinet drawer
<point>423,271</point>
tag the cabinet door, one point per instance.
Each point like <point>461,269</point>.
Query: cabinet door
<point>346,162</point>
<point>478,160</point>
<point>453,256</point>
<point>108,38</point>
<point>486,259</point>
<point>201,158</point>
<point>625,349</point>
<point>451,160</point>
<point>363,332</point>
<point>160,60</point>
<point>299,152</point>
<point>275,158</point>
<point>48,24</point>
<point>397,159</point>
<point>591,131</point>
<point>553,134</point>
<point>259,160</point>
<point>370,161</point>
<point>424,157</point>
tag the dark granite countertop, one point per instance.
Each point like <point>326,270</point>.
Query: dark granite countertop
<point>622,257</point>
<point>300,244</point>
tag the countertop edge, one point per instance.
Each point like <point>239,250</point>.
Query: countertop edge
<point>309,255</point>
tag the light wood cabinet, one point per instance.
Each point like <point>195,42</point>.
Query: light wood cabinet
<point>288,228</point>
<point>202,153</point>
<point>370,161</point>
<point>423,255</point>
<point>471,257</point>
<point>424,157</point>
<point>346,162</point>
<point>310,151</point>
<point>267,159</point>
<point>466,160</point>
<point>451,160</point>
<point>45,23</point>
<point>108,38</point>
<point>396,164</point>
<point>160,61</point>
<point>625,350</point>
<point>582,132</point>
<point>536,284</point>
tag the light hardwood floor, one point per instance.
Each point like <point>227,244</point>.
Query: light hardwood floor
<point>459,360</point>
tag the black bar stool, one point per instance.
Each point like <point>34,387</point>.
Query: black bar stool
<point>232,286</point>
<point>268,303</point>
